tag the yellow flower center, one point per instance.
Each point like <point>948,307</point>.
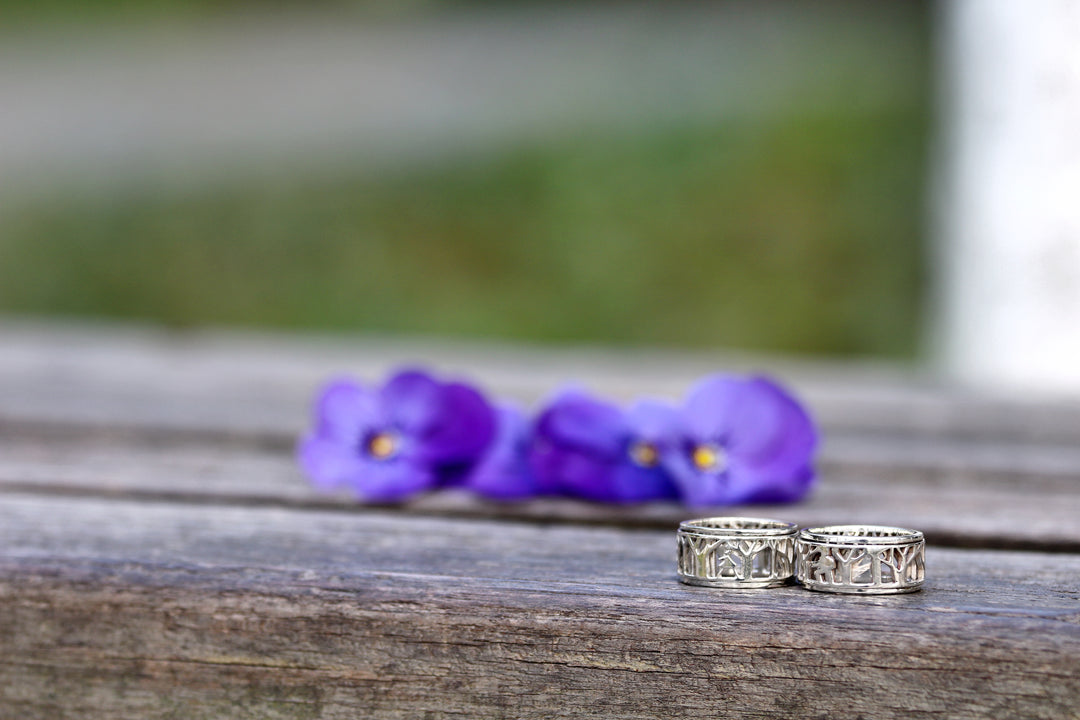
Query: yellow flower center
<point>709,458</point>
<point>382,446</point>
<point>644,454</point>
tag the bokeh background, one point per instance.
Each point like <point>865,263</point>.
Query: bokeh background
<point>728,174</point>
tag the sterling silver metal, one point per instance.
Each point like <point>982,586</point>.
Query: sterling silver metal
<point>865,559</point>
<point>736,552</point>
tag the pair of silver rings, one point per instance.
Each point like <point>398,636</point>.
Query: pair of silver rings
<point>739,552</point>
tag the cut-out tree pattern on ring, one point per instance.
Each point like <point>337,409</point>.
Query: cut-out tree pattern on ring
<point>871,567</point>
<point>744,559</point>
<point>697,556</point>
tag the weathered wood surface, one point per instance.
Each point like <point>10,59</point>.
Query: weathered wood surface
<point>166,609</point>
<point>995,506</point>
<point>161,556</point>
<point>259,386</point>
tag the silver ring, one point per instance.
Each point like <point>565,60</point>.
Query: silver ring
<point>866,559</point>
<point>736,552</point>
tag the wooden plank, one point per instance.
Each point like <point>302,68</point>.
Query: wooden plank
<point>955,502</point>
<point>117,609</point>
<point>259,386</point>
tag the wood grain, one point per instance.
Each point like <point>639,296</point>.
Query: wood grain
<point>117,609</point>
<point>162,557</point>
<point>1004,505</point>
<point>258,386</point>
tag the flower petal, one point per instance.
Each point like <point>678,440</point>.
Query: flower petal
<point>769,437</point>
<point>714,407</point>
<point>464,428</point>
<point>794,437</point>
<point>579,421</point>
<point>503,472</point>
<point>577,439</point>
<point>753,418</point>
<point>582,446</point>
<point>631,483</point>
<point>452,422</point>
<point>328,463</point>
<point>345,411</point>
<point>332,466</point>
<point>383,481</point>
<point>696,488</point>
<point>741,482</point>
<point>656,422</point>
<point>413,400</point>
<point>571,471</point>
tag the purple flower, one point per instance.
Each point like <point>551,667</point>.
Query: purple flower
<point>592,449</point>
<point>503,473</point>
<point>746,440</point>
<point>387,443</point>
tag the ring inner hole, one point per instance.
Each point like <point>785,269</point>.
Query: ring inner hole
<point>739,525</point>
<point>858,531</point>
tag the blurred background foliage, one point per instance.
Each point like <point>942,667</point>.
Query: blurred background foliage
<point>794,231</point>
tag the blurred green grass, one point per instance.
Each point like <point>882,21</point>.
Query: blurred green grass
<point>793,234</point>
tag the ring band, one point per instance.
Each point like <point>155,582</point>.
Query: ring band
<point>866,559</point>
<point>736,552</point>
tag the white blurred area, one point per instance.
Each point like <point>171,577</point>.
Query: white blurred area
<point>1008,208</point>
